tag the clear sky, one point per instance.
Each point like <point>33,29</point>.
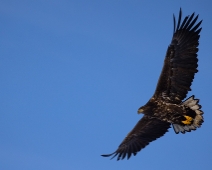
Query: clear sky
<point>74,73</point>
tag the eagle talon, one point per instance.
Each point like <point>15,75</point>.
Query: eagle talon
<point>188,120</point>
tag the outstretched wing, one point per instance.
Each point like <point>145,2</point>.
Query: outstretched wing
<point>146,130</point>
<point>180,63</point>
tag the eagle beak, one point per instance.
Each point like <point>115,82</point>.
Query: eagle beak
<point>140,110</point>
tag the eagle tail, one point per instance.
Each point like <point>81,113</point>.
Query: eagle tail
<point>197,119</point>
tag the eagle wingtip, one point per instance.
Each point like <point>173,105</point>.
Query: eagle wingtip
<point>106,155</point>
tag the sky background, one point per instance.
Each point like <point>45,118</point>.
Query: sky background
<point>74,73</point>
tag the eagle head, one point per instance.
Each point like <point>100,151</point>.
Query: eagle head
<point>144,109</point>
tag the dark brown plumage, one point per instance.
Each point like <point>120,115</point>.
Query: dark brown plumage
<point>166,106</point>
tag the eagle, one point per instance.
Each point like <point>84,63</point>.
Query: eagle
<point>168,105</point>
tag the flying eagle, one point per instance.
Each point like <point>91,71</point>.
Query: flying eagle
<point>166,106</point>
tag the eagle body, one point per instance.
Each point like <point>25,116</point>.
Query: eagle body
<point>168,105</point>
<point>180,114</point>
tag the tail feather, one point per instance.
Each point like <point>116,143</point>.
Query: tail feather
<point>197,120</point>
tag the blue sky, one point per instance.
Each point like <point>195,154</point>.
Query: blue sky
<point>74,73</point>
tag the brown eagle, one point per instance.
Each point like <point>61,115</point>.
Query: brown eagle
<point>166,106</point>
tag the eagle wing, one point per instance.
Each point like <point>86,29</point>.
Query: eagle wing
<point>145,131</point>
<point>180,64</point>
